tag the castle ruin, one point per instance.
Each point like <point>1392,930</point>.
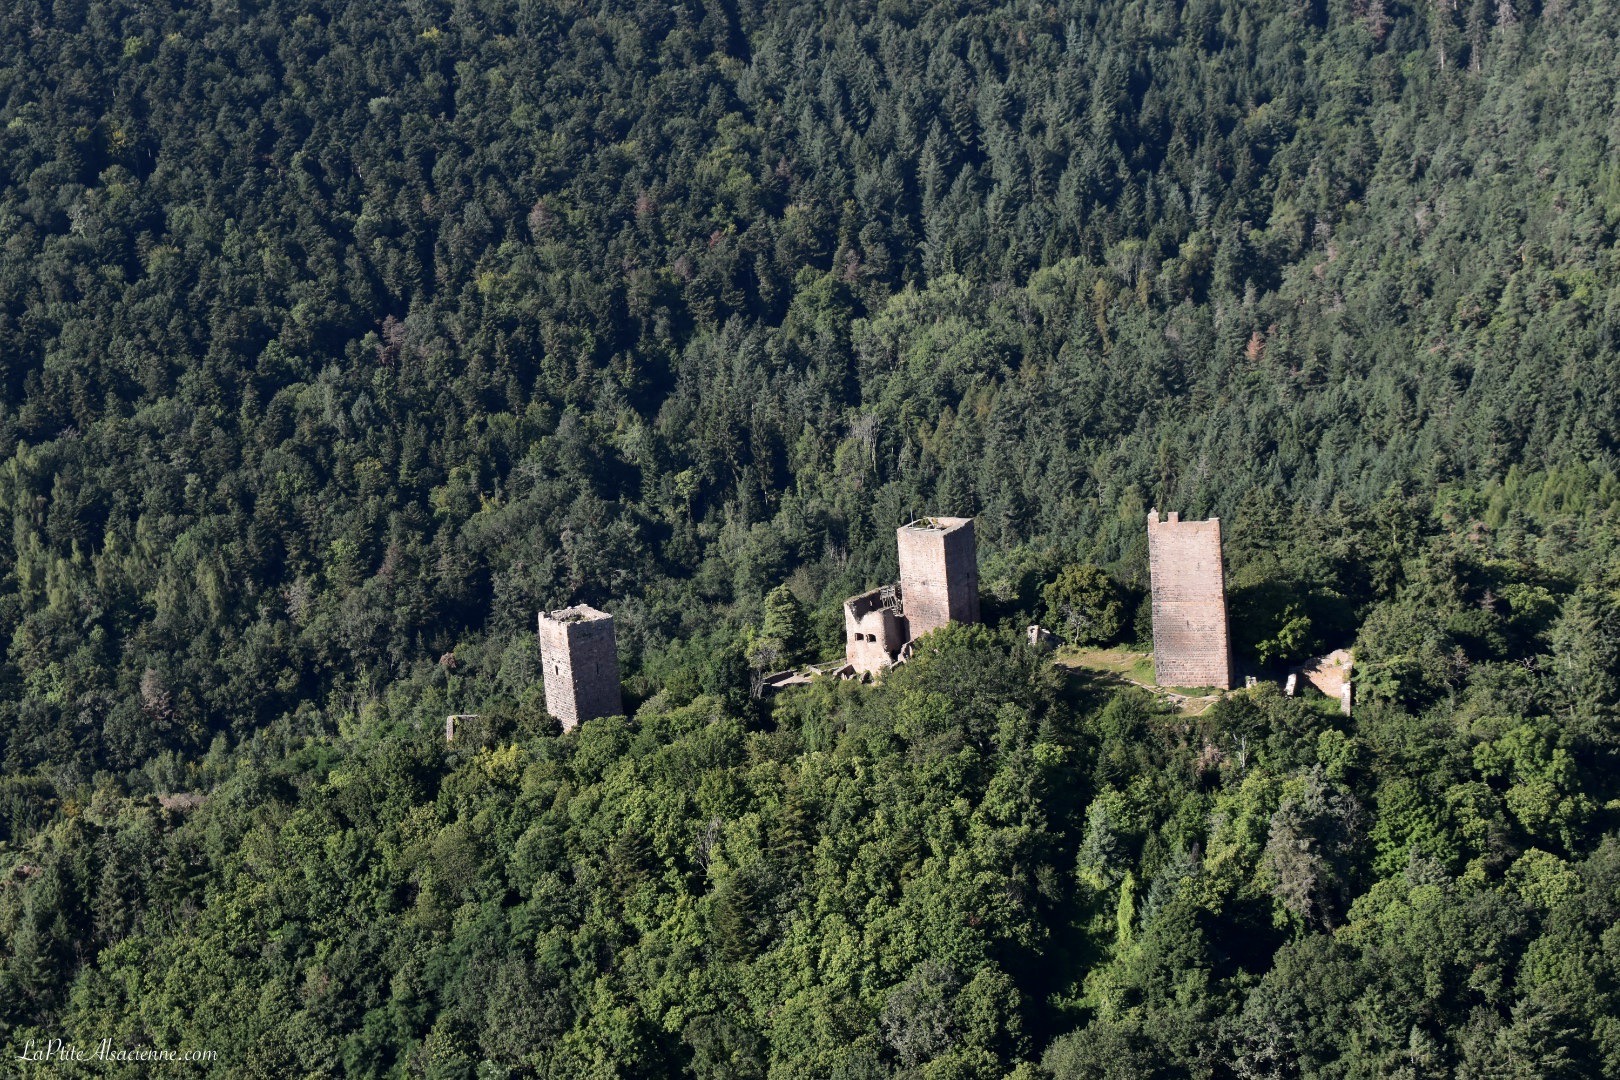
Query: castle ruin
<point>1331,674</point>
<point>939,583</point>
<point>1191,646</point>
<point>874,630</point>
<point>579,659</point>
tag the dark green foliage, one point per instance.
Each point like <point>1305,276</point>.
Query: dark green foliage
<point>333,343</point>
<point>1083,606</point>
<point>337,338</point>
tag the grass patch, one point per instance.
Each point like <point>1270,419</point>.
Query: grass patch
<point>1131,664</point>
<point>1135,665</point>
<point>1118,661</point>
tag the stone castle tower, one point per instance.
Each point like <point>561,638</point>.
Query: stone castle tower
<point>939,573</point>
<point>939,583</point>
<point>579,657</point>
<point>1191,646</point>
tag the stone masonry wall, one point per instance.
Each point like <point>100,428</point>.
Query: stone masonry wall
<point>579,659</point>
<point>939,573</point>
<point>1190,639</point>
<point>872,633</point>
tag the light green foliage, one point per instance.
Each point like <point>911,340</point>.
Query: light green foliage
<point>1101,857</point>
<point>842,889</point>
<point>786,622</point>
<point>1125,912</point>
<point>1542,789</point>
<point>1544,879</point>
<point>1409,825</point>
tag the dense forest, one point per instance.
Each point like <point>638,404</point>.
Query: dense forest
<point>338,338</point>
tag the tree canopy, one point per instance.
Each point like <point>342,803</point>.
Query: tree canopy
<point>338,338</point>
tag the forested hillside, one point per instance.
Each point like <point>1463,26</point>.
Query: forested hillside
<point>337,338</point>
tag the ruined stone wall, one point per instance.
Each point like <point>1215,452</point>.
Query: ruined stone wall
<point>579,659</point>
<point>1331,675</point>
<point>873,634</point>
<point>1190,641</point>
<point>939,573</point>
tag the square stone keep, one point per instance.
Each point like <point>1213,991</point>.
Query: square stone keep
<point>939,573</point>
<point>579,660</point>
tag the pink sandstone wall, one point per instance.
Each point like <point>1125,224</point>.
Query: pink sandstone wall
<point>1190,641</point>
<point>939,573</point>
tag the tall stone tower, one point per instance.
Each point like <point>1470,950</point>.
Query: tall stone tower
<point>579,657</point>
<point>1190,641</point>
<point>939,573</point>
